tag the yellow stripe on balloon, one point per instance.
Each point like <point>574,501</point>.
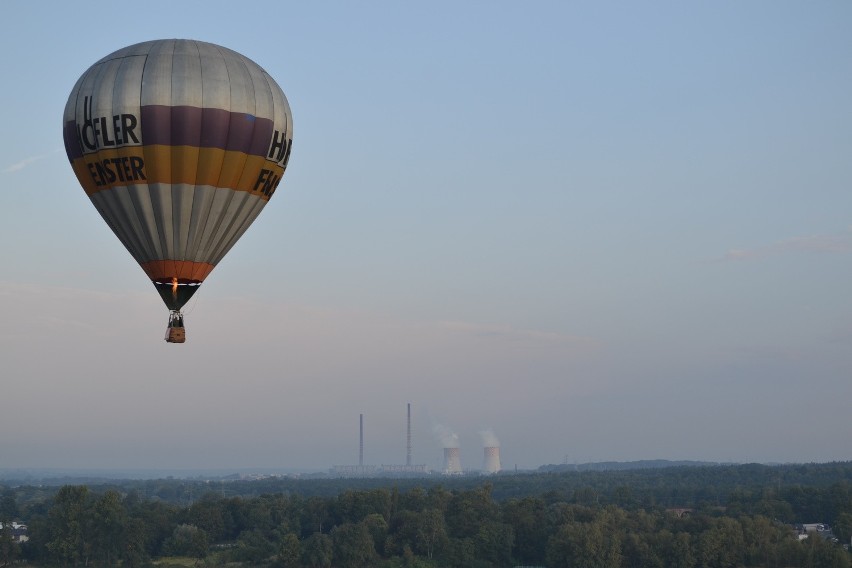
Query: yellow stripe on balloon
<point>214,167</point>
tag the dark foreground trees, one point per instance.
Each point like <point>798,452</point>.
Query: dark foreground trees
<point>431,527</point>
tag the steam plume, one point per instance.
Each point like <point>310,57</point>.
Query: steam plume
<point>489,439</point>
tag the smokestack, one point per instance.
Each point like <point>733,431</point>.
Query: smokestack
<point>452,460</point>
<point>361,449</point>
<point>408,452</point>
<point>492,459</point>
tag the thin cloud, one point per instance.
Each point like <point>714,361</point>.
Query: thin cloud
<point>22,164</point>
<point>838,243</point>
<point>26,162</point>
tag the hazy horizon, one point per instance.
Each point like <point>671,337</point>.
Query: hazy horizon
<point>245,472</point>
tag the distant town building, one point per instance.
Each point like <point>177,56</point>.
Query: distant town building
<point>404,469</point>
<point>353,470</point>
<point>19,531</point>
<point>805,530</point>
<point>384,470</point>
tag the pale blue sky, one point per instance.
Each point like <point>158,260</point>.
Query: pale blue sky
<point>606,231</point>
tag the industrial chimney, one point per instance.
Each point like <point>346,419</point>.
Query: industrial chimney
<point>361,446</point>
<point>408,447</point>
<point>452,461</point>
<point>492,459</point>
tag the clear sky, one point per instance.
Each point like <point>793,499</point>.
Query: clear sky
<point>604,231</point>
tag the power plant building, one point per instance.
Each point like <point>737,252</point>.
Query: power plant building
<point>452,458</point>
<point>362,470</point>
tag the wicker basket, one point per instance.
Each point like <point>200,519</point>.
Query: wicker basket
<point>176,334</point>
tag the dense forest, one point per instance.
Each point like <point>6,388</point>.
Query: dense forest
<point>689,516</point>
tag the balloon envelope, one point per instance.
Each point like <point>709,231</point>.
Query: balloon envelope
<point>179,144</point>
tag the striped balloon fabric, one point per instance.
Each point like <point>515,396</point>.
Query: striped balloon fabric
<point>179,144</point>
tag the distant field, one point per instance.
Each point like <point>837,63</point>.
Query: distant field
<point>167,561</point>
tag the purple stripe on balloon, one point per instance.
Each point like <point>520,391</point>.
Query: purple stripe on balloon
<point>72,142</point>
<point>261,137</point>
<point>206,128</point>
<point>214,128</point>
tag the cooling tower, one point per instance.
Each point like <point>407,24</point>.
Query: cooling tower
<point>452,461</point>
<point>492,460</point>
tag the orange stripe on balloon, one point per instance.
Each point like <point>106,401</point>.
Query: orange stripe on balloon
<point>184,270</point>
<point>172,268</point>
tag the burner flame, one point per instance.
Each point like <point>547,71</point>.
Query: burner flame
<point>174,286</point>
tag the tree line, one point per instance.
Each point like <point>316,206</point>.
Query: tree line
<point>555,519</point>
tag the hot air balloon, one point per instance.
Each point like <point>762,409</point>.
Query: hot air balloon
<point>179,144</point>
